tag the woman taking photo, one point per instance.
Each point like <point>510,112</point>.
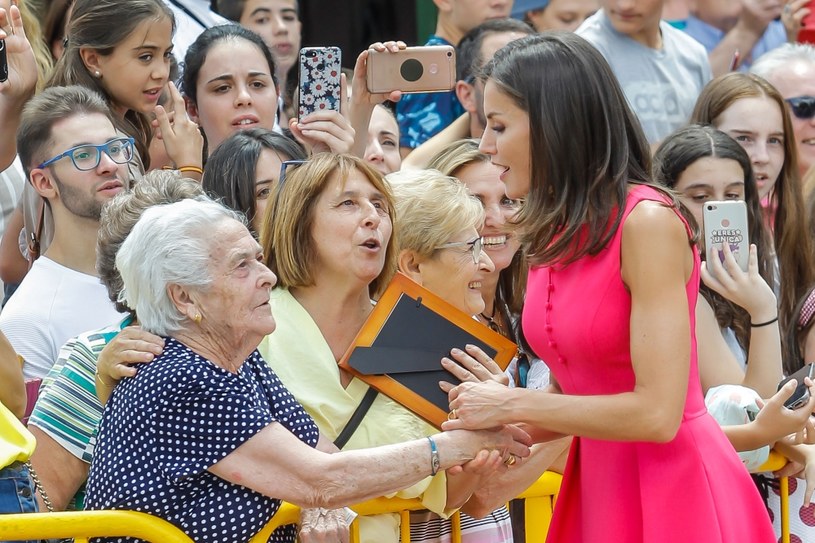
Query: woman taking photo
<point>609,306</point>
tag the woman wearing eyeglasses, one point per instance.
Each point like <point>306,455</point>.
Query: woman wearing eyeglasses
<point>328,239</point>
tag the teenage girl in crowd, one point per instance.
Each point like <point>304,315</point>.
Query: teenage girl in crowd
<point>752,112</point>
<point>703,164</point>
<point>229,84</point>
<point>610,307</point>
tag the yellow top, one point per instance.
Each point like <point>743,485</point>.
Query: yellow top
<point>16,442</point>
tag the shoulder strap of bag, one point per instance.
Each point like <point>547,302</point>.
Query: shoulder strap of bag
<point>359,414</point>
<point>35,237</point>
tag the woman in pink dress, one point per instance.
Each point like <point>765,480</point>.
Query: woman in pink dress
<point>610,307</point>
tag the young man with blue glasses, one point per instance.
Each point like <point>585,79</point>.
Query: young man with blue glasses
<point>76,161</point>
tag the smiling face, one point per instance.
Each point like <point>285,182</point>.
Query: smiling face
<point>451,273</point>
<point>135,73</point>
<point>710,179</point>
<point>83,193</point>
<point>351,231</point>
<point>506,140</point>
<point>235,91</point>
<point>481,179</point>
<point>382,149</point>
<point>236,304</point>
<point>277,23</point>
<point>757,124</point>
<point>797,78</point>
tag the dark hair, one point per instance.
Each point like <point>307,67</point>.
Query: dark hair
<point>585,143</point>
<point>468,50</point>
<point>102,25</point>
<point>793,243</point>
<point>231,169</point>
<point>51,106</point>
<point>675,155</point>
<point>198,51</point>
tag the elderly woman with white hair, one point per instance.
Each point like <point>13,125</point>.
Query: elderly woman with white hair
<point>206,436</point>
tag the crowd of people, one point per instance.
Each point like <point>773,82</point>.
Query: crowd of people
<point>185,261</point>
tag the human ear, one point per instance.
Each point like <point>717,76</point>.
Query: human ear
<point>184,300</point>
<point>409,264</point>
<point>192,110</point>
<point>466,95</point>
<point>43,184</point>
<point>90,58</point>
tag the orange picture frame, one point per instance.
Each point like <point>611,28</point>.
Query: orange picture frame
<point>399,349</point>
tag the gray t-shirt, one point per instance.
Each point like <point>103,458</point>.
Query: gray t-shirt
<point>661,85</point>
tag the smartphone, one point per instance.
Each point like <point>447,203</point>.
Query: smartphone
<point>800,397</point>
<point>807,32</point>
<point>319,82</point>
<point>430,68</point>
<point>726,222</point>
<point>3,62</point>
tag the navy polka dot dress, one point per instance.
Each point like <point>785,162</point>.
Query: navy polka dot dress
<point>178,416</point>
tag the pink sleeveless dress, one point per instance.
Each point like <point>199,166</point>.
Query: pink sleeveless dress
<point>692,489</point>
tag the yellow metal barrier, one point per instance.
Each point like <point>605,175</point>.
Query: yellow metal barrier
<point>540,501</point>
<point>774,463</point>
<point>82,525</point>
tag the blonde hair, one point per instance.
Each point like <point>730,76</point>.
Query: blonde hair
<point>286,234</point>
<point>33,32</point>
<point>457,155</point>
<point>432,208</point>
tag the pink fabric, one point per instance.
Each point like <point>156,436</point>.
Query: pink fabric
<point>693,488</point>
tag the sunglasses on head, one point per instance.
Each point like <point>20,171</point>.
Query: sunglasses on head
<point>803,107</point>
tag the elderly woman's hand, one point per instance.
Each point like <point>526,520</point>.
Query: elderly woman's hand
<point>472,365</point>
<point>324,526</point>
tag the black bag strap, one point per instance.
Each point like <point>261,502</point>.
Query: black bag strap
<point>356,418</point>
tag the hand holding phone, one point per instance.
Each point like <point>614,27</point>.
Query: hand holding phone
<point>319,81</point>
<point>800,397</point>
<point>726,223</point>
<point>429,68</point>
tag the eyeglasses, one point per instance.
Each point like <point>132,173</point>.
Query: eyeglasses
<point>802,107</point>
<point>284,167</point>
<point>87,157</point>
<point>475,246</point>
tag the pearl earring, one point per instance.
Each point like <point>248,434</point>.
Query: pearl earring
<point>97,74</point>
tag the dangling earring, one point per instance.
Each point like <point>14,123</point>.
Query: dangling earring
<point>97,74</point>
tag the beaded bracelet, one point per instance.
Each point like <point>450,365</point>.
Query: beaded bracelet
<point>760,324</point>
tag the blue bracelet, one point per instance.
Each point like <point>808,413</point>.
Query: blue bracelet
<point>434,457</point>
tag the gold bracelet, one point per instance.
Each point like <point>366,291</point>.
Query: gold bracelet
<point>101,380</point>
<point>195,169</point>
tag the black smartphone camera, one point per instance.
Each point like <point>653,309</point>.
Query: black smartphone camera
<point>800,397</point>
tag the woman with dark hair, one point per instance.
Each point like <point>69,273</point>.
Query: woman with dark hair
<point>230,84</point>
<point>243,171</point>
<point>752,112</point>
<point>610,307</point>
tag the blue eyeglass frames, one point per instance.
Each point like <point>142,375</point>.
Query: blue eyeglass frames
<point>87,157</point>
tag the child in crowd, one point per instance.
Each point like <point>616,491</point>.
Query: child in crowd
<point>545,15</point>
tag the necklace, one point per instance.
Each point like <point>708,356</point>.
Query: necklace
<point>492,323</point>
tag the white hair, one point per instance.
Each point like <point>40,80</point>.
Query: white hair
<point>170,244</point>
<point>769,62</point>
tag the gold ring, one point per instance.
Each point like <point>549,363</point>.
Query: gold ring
<point>510,461</point>
<point>452,415</point>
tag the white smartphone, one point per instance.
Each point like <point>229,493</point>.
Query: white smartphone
<point>726,222</point>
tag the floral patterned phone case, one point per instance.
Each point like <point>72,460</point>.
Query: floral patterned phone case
<point>319,87</point>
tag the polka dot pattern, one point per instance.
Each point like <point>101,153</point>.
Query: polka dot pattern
<point>178,416</point>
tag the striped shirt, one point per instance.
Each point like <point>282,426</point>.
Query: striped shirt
<point>67,408</point>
